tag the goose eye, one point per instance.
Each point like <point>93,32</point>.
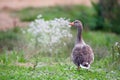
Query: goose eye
<point>75,22</point>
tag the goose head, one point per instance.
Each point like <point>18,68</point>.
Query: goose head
<point>77,24</point>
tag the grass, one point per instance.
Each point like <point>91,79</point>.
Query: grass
<point>60,67</point>
<point>80,12</point>
<point>63,70</point>
<point>71,12</point>
<point>56,72</point>
<point>9,38</point>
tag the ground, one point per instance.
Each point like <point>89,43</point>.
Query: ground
<point>6,6</point>
<point>18,4</point>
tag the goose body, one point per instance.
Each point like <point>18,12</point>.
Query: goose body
<point>82,54</point>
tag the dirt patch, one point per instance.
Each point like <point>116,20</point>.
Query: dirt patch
<point>7,21</point>
<point>19,4</point>
<point>24,64</point>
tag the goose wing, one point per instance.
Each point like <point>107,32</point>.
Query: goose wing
<point>87,53</point>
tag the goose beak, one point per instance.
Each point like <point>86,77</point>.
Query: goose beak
<point>72,24</point>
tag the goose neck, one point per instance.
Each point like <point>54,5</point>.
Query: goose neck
<point>79,35</point>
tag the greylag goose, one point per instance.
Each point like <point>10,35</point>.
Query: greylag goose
<point>82,54</point>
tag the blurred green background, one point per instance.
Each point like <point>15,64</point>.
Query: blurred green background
<point>101,23</point>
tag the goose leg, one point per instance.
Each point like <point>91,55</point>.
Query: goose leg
<point>78,68</point>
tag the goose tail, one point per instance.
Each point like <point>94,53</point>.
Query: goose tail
<point>85,65</point>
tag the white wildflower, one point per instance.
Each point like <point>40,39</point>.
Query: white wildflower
<point>48,34</point>
<point>39,16</point>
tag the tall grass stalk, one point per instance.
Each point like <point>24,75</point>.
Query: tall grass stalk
<point>116,55</point>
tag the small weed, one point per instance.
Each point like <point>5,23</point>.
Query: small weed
<point>11,57</point>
